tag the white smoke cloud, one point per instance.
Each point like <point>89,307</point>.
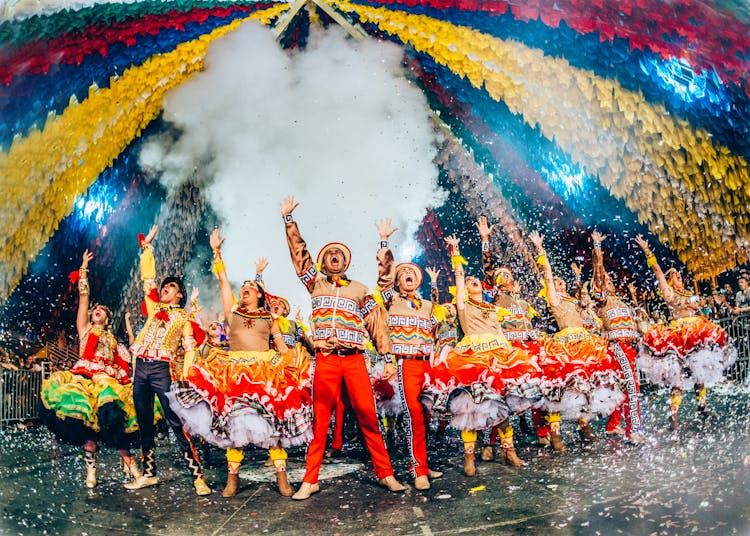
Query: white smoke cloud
<point>338,126</point>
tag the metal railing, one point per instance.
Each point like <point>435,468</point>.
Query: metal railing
<point>738,331</point>
<point>19,395</point>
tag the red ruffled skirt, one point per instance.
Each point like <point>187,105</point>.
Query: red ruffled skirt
<point>685,352</point>
<point>237,398</point>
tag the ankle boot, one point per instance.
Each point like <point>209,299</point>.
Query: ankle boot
<point>148,478</point>
<point>469,467</point>
<point>233,484</point>
<point>554,437</point>
<point>585,432</point>
<point>282,482</point>
<point>488,454</point>
<point>201,488</point>
<point>89,459</point>
<point>508,450</point>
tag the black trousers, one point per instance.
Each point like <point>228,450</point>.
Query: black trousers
<point>154,378</point>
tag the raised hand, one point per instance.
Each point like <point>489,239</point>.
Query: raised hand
<point>298,315</point>
<point>194,295</point>
<point>598,237</point>
<point>642,242</point>
<point>288,205</point>
<point>87,256</point>
<point>260,265</point>
<point>384,229</point>
<point>216,240</point>
<point>537,239</point>
<point>484,230</point>
<point>453,242</point>
<point>433,273</point>
<point>577,269</point>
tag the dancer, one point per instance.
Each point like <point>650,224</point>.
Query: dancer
<point>93,401</point>
<point>619,327</point>
<point>690,351</point>
<point>166,331</point>
<point>515,315</point>
<point>482,362</point>
<point>413,323</point>
<point>247,395</point>
<point>586,366</point>
<point>343,312</point>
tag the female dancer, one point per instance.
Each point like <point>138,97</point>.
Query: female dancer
<point>245,396</point>
<point>93,401</point>
<point>585,364</point>
<point>482,362</point>
<point>690,351</point>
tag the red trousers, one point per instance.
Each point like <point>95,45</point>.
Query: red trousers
<point>329,372</point>
<point>625,354</point>
<point>540,422</point>
<point>337,441</point>
<point>411,377</point>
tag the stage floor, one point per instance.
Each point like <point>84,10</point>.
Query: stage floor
<point>692,482</point>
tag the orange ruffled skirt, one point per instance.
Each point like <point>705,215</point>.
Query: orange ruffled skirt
<point>237,398</point>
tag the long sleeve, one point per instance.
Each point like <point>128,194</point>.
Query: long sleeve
<point>386,274</point>
<point>488,262</point>
<point>301,258</point>
<point>374,317</point>
<point>598,281</point>
<point>148,276</point>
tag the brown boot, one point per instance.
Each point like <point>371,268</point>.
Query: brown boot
<point>509,457</point>
<point>283,483</point>
<point>554,437</point>
<point>488,454</point>
<point>469,467</point>
<point>508,454</point>
<point>585,432</point>
<point>233,483</point>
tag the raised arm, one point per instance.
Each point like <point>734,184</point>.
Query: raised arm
<point>386,263</point>
<point>227,298</point>
<point>458,270</point>
<point>148,271</point>
<point>129,329</point>
<point>666,290</point>
<point>82,317</point>
<point>488,259</point>
<point>195,309</point>
<point>260,266</point>
<point>599,279</point>
<point>543,261</point>
<point>301,258</point>
<point>434,292</point>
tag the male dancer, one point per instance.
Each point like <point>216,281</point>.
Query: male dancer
<point>620,329</point>
<point>343,312</point>
<point>167,329</point>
